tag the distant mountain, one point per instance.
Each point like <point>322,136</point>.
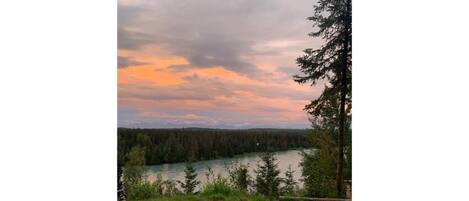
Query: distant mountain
<point>274,130</point>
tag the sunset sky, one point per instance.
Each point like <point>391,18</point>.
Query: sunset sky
<point>212,63</point>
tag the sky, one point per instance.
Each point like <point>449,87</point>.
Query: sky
<point>212,63</point>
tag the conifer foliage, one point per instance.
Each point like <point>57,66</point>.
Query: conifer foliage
<point>190,180</point>
<point>267,176</point>
<point>331,64</point>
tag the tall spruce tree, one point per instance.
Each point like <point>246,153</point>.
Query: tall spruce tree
<point>331,63</point>
<point>267,176</point>
<point>190,179</point>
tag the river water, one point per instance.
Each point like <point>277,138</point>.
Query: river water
<point>175,171</point>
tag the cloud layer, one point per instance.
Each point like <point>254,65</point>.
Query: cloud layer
<point>211,64</point>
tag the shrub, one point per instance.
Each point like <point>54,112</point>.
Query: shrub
<point>170,188</point>
<point>142,191</point>
<point>219,186</point>
<point>134,167</point>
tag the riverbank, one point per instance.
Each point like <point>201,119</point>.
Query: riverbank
<point>163,146</point>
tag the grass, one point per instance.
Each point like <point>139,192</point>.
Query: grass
<point>211,197</point>
<point>218,189</point>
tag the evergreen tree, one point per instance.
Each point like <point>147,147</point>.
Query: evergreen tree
<point>267,176</point>
<point>331,63</point>
<point>289,181</point>
<point>190,181</point>
<point>318,167</point>
<point>239,176</point>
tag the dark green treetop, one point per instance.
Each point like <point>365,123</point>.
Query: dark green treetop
<point>332,20</point>
<point>190,180</point>
<point>267,176</point>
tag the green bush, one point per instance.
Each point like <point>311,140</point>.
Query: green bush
<point>219,186</point>
<point>216,197</point>
<point>142,191</point>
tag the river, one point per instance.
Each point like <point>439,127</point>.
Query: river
<point>175,171</point>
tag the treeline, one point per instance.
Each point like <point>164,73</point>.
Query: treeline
<point>179,145</point>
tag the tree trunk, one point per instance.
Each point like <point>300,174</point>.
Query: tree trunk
<point>343,94</point>
<point>340,143</point>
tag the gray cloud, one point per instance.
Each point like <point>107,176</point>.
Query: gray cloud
<point>288,70</point>
<point>233,34</point>
<point>209,33</point>
<point>198,88</point>
<point>177,68</point>
<point>132,40</point>
<point>124,62</point>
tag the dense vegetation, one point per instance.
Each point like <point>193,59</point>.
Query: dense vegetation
<point>238,186</point>
<point>214,197</point>
<point>139,147</point>
<point>268,184</point>
<point>179,145</point>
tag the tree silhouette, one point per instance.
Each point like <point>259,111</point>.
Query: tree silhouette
<point>190,180</point>
<point>267,176</point>
<point>331,63</point>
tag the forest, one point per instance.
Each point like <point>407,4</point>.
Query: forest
<point>184,144</point>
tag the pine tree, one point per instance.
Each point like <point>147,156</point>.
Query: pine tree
<point>289,181</point>
<point>267,176</point>
<point>331,63</point>
<point>190,181</point>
